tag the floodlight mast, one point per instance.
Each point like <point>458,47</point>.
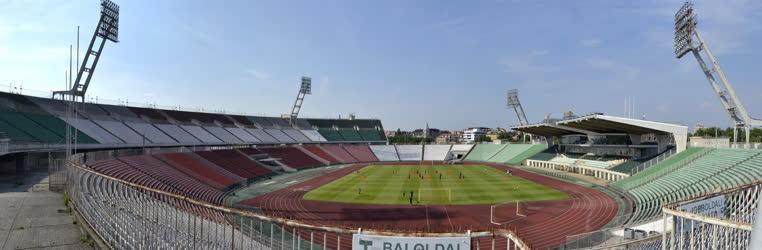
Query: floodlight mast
<point>685,33</point>
<point>107,30</point>
<point>513,102</point>
<point>305,89</point>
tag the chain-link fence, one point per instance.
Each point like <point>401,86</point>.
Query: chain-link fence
<point>126,215</point>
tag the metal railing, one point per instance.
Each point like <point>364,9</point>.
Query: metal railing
<point>720,220</point>
<point>127,215</point>
<point>652,162</point>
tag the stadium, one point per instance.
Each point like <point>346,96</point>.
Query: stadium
<point>159,178</point>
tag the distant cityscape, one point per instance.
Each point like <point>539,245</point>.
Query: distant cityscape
<point>467,135</point>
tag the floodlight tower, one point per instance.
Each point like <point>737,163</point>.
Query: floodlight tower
<point>305,89</point>
<point>107,30</point>
<point>513,102</point>
<point>688,39</point>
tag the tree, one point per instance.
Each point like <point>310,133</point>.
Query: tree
<point>483,138</point>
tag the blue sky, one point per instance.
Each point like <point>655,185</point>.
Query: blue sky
<point>447,63</point>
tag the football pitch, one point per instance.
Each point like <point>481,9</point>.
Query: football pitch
<point>438,184</point>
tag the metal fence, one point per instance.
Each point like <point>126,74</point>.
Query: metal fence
<point>721,220</point>
<point>125,215</point>
<point>652,162</point>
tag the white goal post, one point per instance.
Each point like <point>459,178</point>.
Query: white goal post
<point>493,220</point>
<point>423,191</point>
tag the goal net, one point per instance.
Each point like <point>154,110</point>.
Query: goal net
<point>434,195</point>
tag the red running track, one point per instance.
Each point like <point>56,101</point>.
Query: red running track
<point>546,225</point>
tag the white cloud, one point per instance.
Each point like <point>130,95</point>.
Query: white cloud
<point>590,42</point>
<point>261,75</point>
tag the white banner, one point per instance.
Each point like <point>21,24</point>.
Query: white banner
<point>712,207</point>
<point>376,242</point>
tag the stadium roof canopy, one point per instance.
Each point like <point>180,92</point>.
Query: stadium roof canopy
<point>611,124</point>
<point>549,129</point>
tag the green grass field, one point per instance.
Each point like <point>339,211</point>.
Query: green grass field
<point>393,184</point>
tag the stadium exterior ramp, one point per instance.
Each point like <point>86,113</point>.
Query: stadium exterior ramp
<point>435,152</point>
<point>385,152</point>
<point>410,152</point>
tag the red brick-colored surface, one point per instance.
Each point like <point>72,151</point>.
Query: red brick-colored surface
<point>546,225</point>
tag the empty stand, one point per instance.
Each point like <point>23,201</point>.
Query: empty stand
<point>94,131</point>
<point>121,113</point>
<point>483,152</point>
<point>350,135</point>
<point>58,126</point>
<point>178,134</point>
<point>509,152</point>
<point>292,157</point>
<point>313,135</point>
<point>159,170</point>
<point>242,120</point>
<point>319,152</point>
<point>361,152</point>
<point>263,136</point>
<point>151,114</point>
<point>150,132</point>
<point>462,147</point>
<point>201,134</point>
<point>26,129</point>
<point>243,135</point>
<point>279,135</point>
<point>296,135</point>
<point>385,152</point>
<point>371,135</point>
<point>223,134</point>
<point>217,178</point>
<point>410,152</point>
<point>339,153</point>
<point>235,162</point>
<point>331,134</point>
<point>122,132</point>
<point>261,122</point>
<point>435,152</point>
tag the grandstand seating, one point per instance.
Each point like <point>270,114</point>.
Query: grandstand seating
<point>262,135</point>
<point>546,155</point>
<point>660,168</point>
<point>361,152</point>
<point>58,126</point>
<point>296,135</point>
<point>339,153</point>
<point>261,122</point>
<point>223,134</point>
<point>217,178</point>
<point>159,170</point>
<point>121,131</point>
<point>151,114</point>
<point>279,135</point>
<point>292,157</point>
<point>313,135</point>
<point>483,152</point>
<point>119,169</point>
<point>319,152</point>
<point>21,128</point>
<point>151,133</point>
<point>243,135</point>
<point>95,131</point>
<point>410,152</point>
<point>528,152</point>
<point>435,152</point>
<point>121,113</point>
<point>385,152</point>
<point>371,134</point>
<point>706,172</point>
<point>251,151</point>
<point>350,134</point>
<point>201,134</point>
<point>242,120</point>
<point>462,147</point>
<point>178,133</point>
<point>581,162</point>
<point>235,162</point>
<point>330,134</point>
